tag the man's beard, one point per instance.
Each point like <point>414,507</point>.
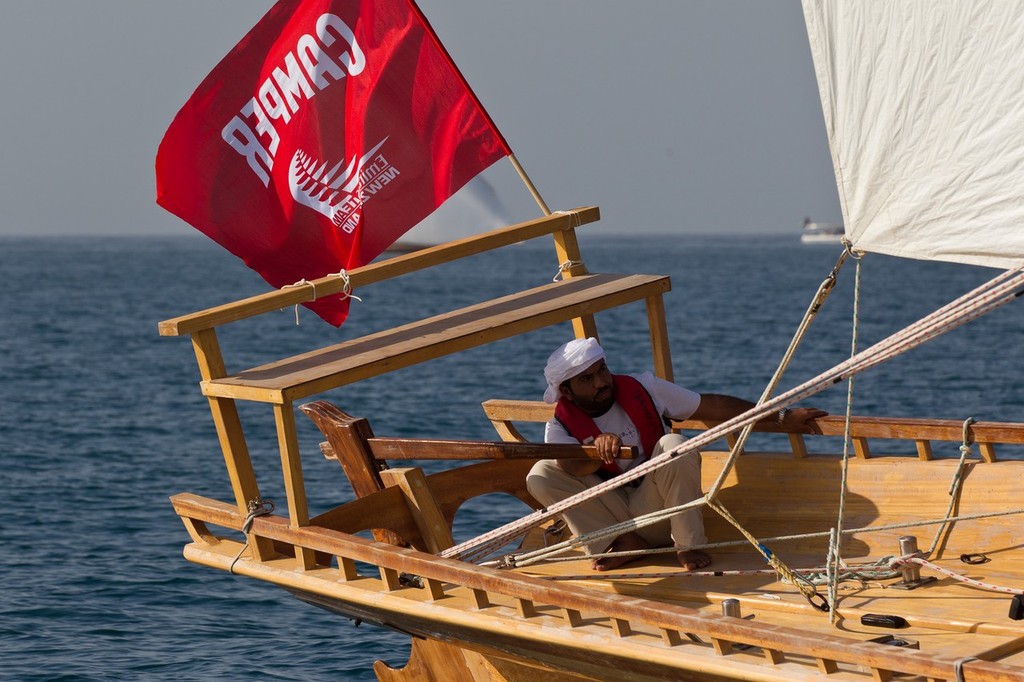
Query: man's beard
<point>601,403</point>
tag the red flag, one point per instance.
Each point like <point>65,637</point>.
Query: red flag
<point>332,128</point>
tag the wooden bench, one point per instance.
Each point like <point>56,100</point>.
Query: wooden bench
<point>344,363</point>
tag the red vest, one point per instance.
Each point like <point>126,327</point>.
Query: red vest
<point>639,407</point>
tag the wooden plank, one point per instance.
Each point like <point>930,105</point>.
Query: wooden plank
<point>526,608</point>
<point>985,434</point>
<point>435,588</point>
<point>349,436</point>
<point>328,368</point>
<point>452,488</point>
<point>432,526</point>
<point>507,431</point>
<point>480,599</point>
<point>671,637</point>
<point>427,449</point>
<point>798,445</point>
<point>376,272</point>
<point>567,250</point>
<point>389,577</point>
<point>384,510</point>
<point>804,494</point>
<point>291,467</point>
<point>621,627</point>
<point>229,434</point>
<point>827,666</point>
<point>347,568</point>
<point>988,451</point>
<point>671,617</point>
<point>722,647</point>
<point>199,533</point>
<point>660,350</point>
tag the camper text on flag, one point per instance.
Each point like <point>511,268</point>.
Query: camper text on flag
<point>331,129</point>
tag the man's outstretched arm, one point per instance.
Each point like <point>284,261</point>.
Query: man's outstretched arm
<point>717,407</point>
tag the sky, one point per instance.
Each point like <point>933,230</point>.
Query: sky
<point>673,116</point>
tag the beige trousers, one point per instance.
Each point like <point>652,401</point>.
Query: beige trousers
<point>671,485</point>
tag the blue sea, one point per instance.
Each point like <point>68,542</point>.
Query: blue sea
<point>102,420</point>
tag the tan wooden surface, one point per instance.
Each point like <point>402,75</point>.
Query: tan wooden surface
<point>229,430</point>
<point>495,615</point>
<point>318,371</point>
<point>426,449</point>
<point>984,436</point>
<point>567,251</point>
<point>379,271</point>
<point>433,527</point>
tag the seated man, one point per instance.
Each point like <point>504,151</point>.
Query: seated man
<point>595,406</point>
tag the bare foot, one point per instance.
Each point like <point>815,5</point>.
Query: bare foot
<point>628,542</point>
<point>692,559</point>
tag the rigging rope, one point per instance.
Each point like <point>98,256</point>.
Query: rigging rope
<point>834,558</point>
<point>956,485</point>
<point>530,558</point>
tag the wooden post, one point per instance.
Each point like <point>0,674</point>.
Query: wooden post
<point>230,435</point>
<point>294,486</point>
<point>660,350</point>
<point>567,249</point>
<point>423,507</point>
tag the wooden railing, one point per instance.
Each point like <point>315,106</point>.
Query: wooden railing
<point>444,579</point>
<point>922,432</point>
<point>561,225</point>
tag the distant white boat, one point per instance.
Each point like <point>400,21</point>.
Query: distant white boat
<point>821,233</point>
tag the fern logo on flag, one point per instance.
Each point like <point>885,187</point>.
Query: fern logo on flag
<point>339,194</point>
<point>332,128</point>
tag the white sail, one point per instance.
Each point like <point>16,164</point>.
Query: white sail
<point>924,108</point>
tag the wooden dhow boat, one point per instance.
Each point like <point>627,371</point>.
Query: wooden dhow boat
<point>862,564</point>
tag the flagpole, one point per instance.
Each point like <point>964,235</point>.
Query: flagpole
<point>529,184</point>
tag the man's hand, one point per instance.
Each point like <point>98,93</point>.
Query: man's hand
<point>608,446</point>
<point>798,420</point>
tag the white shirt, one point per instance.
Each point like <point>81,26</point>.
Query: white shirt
<point>670,400</point>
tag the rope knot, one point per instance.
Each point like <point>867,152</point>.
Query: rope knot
<point>256,507</point>
<point>565,267</point>
<point>346,289</point>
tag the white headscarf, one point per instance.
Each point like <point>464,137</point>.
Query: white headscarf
<point>569,360</point>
